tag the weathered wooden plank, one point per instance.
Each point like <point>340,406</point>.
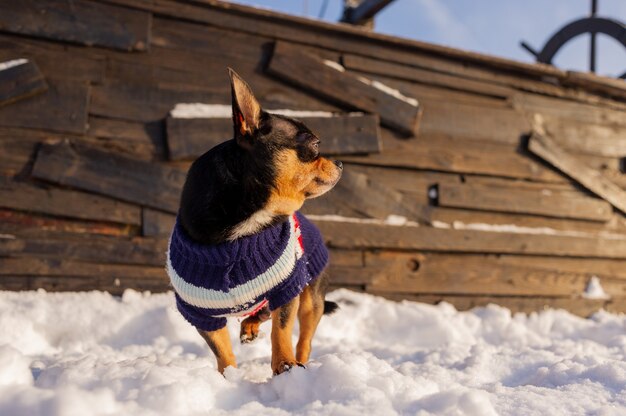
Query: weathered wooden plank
<point>524,201</point>
<point>20,81</point>
<point>460,219</point>
<point>143,251</point>
<point>424,76</point>
<point>92,169</point>
<point>115,286</point>
<point>66,203</point>
<point>143,140</point>
<point>62,108</point>
<point>30,225</point>
<point>58,61</point>
<point>459,156</point>
<point>143,103</point>
<point>546,148</point>
<point>188,138</point>
<point>351,235</point>
<point>156,223</point>
<point>593,82</point>
<point>78,21</point>
<point>578,306</point>
<point>471,274</point>
<point>396,111</point>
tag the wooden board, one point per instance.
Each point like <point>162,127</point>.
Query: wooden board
<point>144,103</point>
<point>66,203</point>
<point>156,223</point>
<point>476,275</point>
<point>62,108</point>
<point>311,73</point>
<point>142,140</point>
<point>459,156</point>
<point>546,148</point>
<point>350,235</point>
<point>21,81</point>
<point>58,61</point>
<point>424,76</point>
<point>548,203</point>
<point>188,138</point>
<point>142,251</point>
<point>92,169</point>
<point>78,21</point>
<point>33,225</point>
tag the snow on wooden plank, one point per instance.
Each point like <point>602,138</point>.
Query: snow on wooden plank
<point>546,148</point>
<point>396,110</point>
<point>66,203</point>
<point>550,203</point>
<point>95,170</point>
<point>78,21</point>
<point>20,78</point>
<point>188,138</point>
<point>62,108</point>
<point>354,235</point>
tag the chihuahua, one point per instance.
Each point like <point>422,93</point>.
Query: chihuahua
<point>240,247</point>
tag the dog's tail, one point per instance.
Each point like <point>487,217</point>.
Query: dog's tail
<point>330,307</point>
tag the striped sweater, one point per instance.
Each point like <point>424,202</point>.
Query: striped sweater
<point>237,278</point>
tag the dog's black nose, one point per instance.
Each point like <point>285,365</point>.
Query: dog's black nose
<point>339,164</point>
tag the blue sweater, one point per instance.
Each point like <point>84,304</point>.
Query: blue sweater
<point>239,277</point>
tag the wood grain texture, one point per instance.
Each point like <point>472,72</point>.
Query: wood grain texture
<point>21,81</point>
<point>340,135</point>
<point>349,235</point>
<point>62,108</point>
<point>550,203</point>
<point>156,223</point>
<point>309,72</point>
<point>78,21</point>
<point>95,170</point>
<point>66,203</point>
<point>546,148</point>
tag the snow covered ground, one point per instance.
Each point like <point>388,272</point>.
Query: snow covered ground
<point>91,353</point>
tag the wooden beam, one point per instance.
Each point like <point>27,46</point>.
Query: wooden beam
<point>547,149</point>
<point>353,235</point>
<point>188,138</point>
<point>95,170</point>
<point>564,204</point>
<point>66,203</point>
<point>78,21</point>
<point>20,81</point>
<point>331,83</point>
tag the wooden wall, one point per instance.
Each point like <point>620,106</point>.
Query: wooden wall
<point>91,165</point>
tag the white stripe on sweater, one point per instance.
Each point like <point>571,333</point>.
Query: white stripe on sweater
<point>247,292</point>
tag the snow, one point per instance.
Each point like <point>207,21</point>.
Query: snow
<point>94,354</point>
<point>12,63</point>
<point>201,110</point>
<point>394,220</point>
<point>594,289</point>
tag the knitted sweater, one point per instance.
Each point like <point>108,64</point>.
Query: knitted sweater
<point>237,278</point>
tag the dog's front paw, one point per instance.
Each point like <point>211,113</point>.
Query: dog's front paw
<point>249,330</point>
<point>284,366</point>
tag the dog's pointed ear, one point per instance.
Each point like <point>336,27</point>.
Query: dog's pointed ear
<point>246,108</point>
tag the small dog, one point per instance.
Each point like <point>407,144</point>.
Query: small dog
<point>239,246</point>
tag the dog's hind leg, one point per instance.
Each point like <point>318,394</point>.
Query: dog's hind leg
<point>283,319</point>
<point>219,342</point>
<point>309,315</point>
